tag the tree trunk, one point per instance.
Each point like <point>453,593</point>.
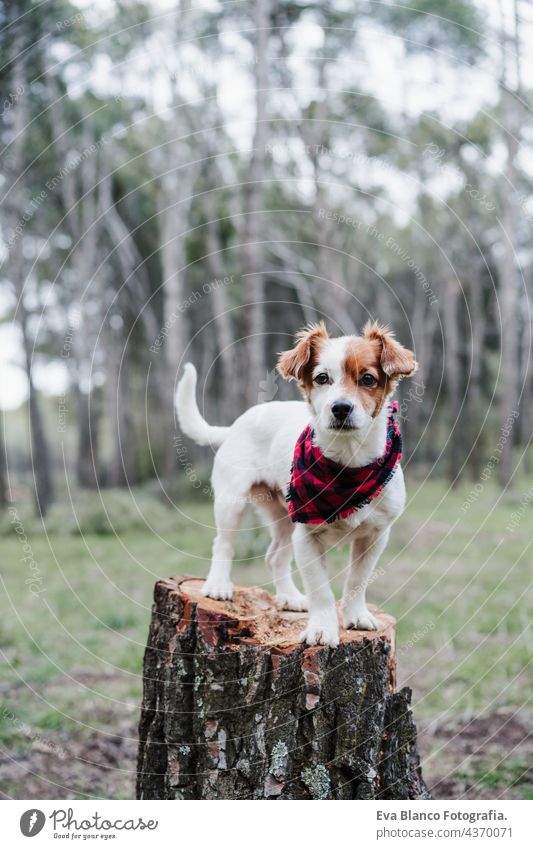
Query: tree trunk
<point>508,381</point>
<point>526,386</point>
<point>78,196</point>
<point>14,205</point>
<point>235,708</point>
<point>253,201</point>
<point>508,284</point>
<point>474,395</point>
<point>173,213</point>
<point>43,491</point>
<point>121,469</point>
<point>4,493</point>
<point>221,310</point>
<point>87,455</point>
<point>418,406</point>
<point>452,353</point>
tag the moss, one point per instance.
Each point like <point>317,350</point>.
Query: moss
<point>279,758</point>
<point>317,780</point>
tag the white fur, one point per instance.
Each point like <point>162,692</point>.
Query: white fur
<point>191,421</point>
<point>253,464</point>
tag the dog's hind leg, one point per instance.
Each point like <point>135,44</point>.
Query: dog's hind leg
<point>279,554</point>
<point>279,559</point>
<point>229,510</point>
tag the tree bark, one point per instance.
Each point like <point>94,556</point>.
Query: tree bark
<point>253,201</point>
<point>508,382</point>
<point>221,308</point>
<point>234,707</point>
<point>508,284</point>
<point>526,384</point>
<point>43,491</point>
<point>452,353</point>
<point>87,419</point>
<point>82,221</point>
<point>174,201</point>
<point>16,265</point>
<point>474,394</point>
<point>121,468</point>
<point>4,493</point>
<point>423,322</point>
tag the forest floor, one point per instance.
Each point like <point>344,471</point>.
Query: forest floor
<point>455,576</point>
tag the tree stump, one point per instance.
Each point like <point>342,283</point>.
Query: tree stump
<point>235,708</point>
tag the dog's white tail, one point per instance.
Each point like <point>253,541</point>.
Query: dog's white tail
<point>191,420</point>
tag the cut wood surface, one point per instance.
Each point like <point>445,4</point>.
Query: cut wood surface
<point>234,706</point>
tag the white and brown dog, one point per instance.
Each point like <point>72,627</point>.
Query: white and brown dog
<point>346,383</point>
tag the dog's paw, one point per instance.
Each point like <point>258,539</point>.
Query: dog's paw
<point>220,589</point>
<point>295,601</point>
<point>361,620</point>
<point>321,635</point>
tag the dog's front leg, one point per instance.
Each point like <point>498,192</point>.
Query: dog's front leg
<point>323,627</point>
<point>365,553</point>
<point>228,514</point>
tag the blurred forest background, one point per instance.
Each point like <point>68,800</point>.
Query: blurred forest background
<point>195,181</point>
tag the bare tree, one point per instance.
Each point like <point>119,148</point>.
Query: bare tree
<point>474,394</point>
<point>526,377</point>
<point>174,201</point>
<point>4,494</point>
<point>80,215</point>
<point>221,305</point>
<point>132,296</point>
<point>452,370</point>
<point>508,283</point>
<point>16,266</point>
<point>253,206</point>
<point>121,468</point>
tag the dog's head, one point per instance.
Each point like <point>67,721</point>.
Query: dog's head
<point>347,380</point>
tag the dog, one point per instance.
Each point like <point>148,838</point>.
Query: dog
<point>345,420</point>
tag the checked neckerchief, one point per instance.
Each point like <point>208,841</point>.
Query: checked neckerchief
<point>321,490</point>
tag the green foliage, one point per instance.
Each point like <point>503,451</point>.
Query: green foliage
<point>437,25</point>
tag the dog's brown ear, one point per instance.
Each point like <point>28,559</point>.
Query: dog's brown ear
<point>396,361</point>
<point>292,364</point>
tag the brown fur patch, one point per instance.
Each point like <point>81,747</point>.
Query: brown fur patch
<point>298,363</point>
<point>364,355</point>
<point>396,361</point>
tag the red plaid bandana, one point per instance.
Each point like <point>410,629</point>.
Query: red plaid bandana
<point>321,490</point>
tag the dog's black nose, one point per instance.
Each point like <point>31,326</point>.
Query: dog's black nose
<point>341,409</point>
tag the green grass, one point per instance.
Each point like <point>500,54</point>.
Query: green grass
<point>512,772</point>
<point>455,581</point>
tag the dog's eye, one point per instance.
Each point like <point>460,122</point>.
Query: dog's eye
<point>321,378</point>
<point>367,380</point>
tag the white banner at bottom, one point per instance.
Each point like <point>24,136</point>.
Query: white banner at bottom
<point>313,824</point>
